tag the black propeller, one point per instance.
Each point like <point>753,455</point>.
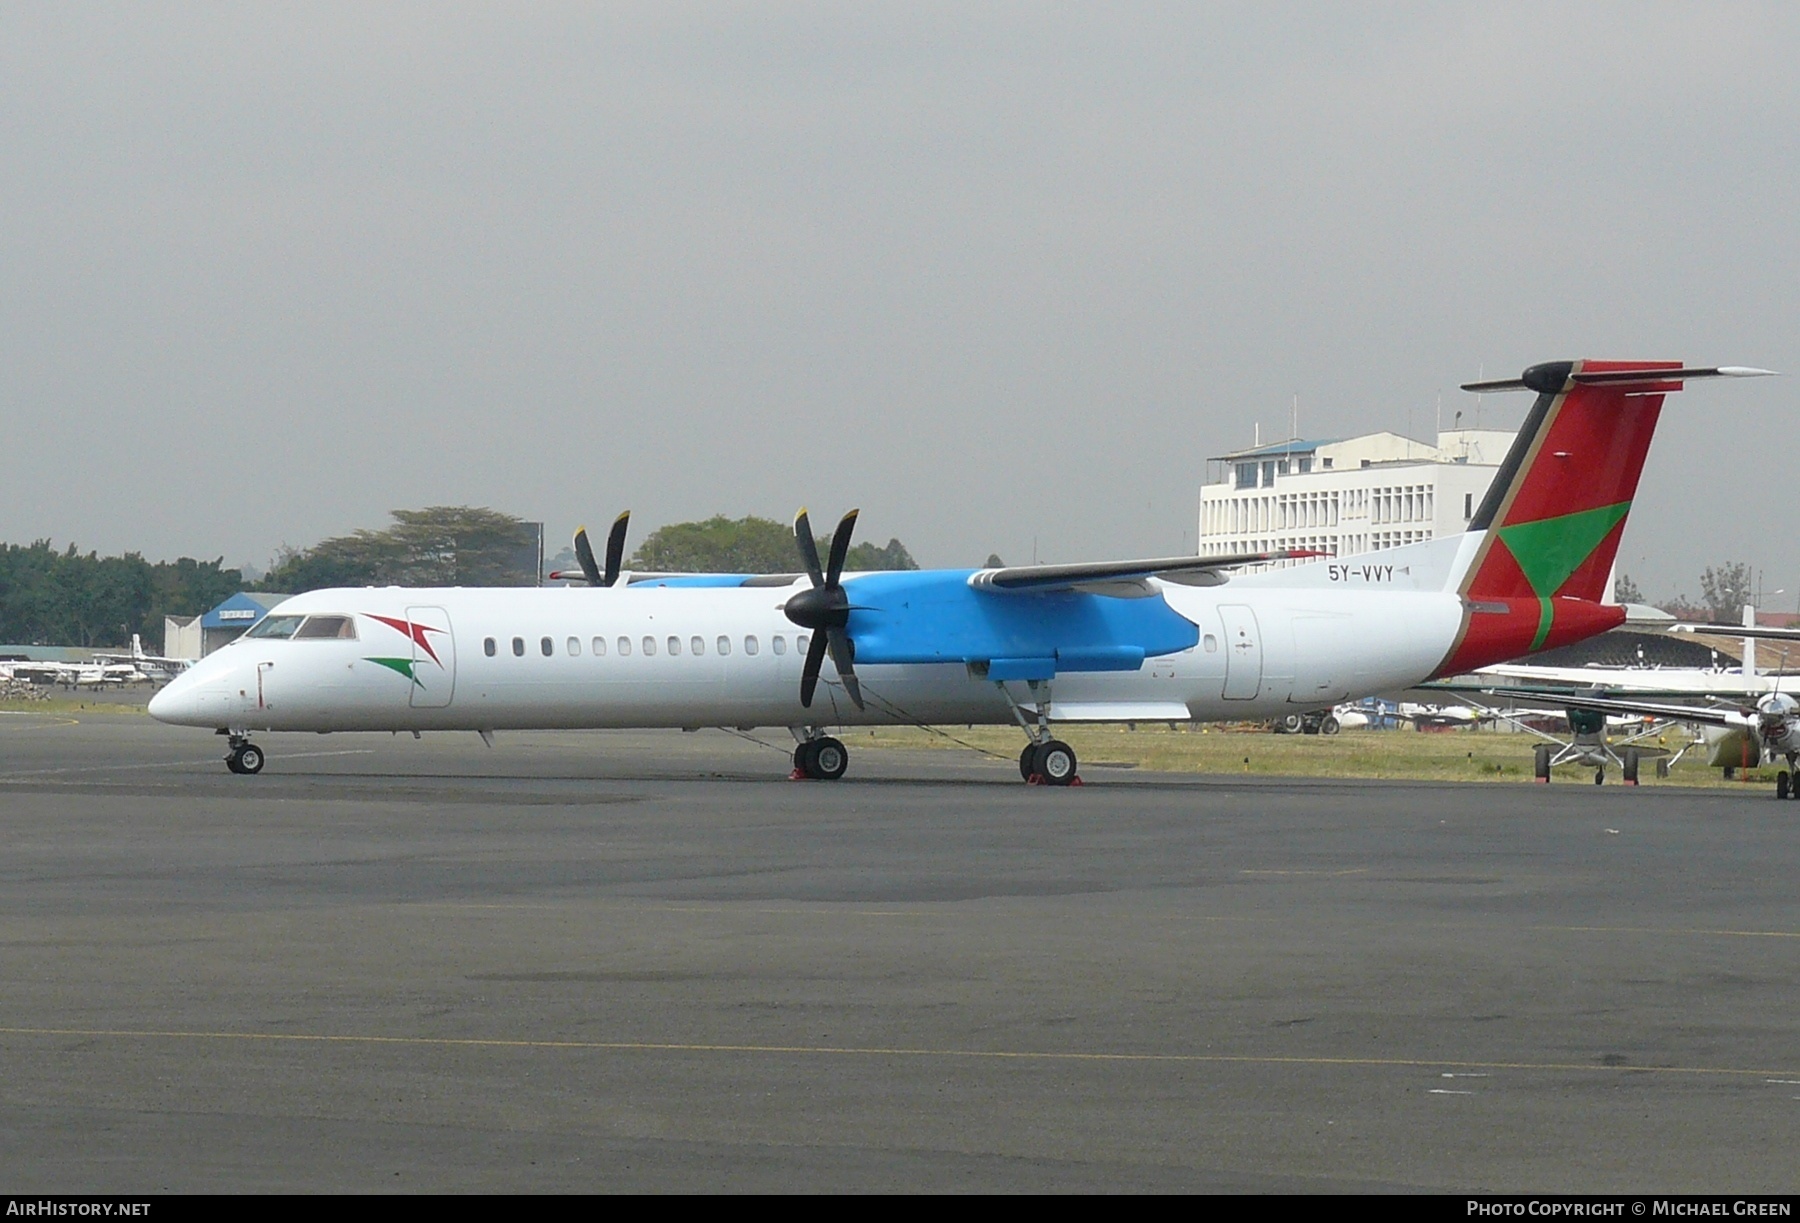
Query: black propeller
<point>615,554</point>
<point>825,609</point>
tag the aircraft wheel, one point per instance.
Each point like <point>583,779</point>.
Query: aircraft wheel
<point>1782,784</point>
<point>829,759</point>
<point>1329,726</point>
<point>1028,761</point>
<point>1293,724</point>
<point>247,759</point>
<point>803,757</point>
<point>231,762</point>
<point>1630,767</point>
<point>1540,765</point>
<point>1056,763</point>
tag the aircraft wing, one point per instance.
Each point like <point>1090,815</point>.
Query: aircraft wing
<point>1124,578</point>
<point>1654,709</point>
<point>1740,630</point>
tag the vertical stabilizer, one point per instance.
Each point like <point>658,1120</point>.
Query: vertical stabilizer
<point>1550,525</point>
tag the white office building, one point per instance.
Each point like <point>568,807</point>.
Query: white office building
<point>1359,494</point>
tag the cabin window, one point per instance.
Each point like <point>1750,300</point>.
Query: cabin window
<point>674,647</point>
<point>518,647</point>
<point>547,646</point>
<point>779,644</point>
<point>574,647</point>
<point>697,645</point>
<point>1211,643</point>
<point>275,627</point>
<point>624,647</point>
<point>487,647</point>
<point>724,644</point>
<point>750,646</point>
<point>801,642</point>
<point>599,647</point>
<point>649,647</point>
<point>340,628</point>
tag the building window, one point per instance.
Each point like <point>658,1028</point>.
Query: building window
<point>1246,475</point>
<point>1268,473</point>
<point>1468,506</point>
<point>518,647</point>
<point>487,647</point>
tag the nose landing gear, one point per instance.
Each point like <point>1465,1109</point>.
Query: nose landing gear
<point>244,756</point>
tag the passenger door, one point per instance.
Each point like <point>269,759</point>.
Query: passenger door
<point>433,656</point>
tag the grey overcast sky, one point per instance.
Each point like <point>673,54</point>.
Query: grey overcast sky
<point>1001,274</point>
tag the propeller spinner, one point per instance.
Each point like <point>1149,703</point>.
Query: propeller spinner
<point>615,554</point>
<point>825,609</point>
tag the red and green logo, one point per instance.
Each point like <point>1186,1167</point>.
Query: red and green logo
<point>416,633</point>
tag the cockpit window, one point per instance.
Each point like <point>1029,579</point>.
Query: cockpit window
<point>341,628</point>
<point>276,626</point>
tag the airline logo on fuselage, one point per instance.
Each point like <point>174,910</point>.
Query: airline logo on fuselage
<point>415,633</point>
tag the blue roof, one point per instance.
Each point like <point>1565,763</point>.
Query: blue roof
<point>1277,449</point>
<point>241,610</point>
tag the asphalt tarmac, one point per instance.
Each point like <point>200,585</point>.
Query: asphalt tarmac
<point>649,962</point>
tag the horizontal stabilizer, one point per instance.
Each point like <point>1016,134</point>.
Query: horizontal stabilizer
<point>1550,378</point>
<point>1032,579</point>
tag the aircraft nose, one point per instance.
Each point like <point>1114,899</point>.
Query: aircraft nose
<point>179,702</point>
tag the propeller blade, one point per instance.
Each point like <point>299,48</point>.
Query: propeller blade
<point>584,555</point>
<point>809,673</point>
<point>841,655</point>
<point>615,548</point>
<point>840,547</point>
<point>809,550</point>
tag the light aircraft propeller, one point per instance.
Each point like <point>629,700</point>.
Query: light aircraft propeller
<point>825,609</point>
<point>584,555</point>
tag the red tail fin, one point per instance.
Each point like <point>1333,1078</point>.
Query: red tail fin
<point>1556,510</point>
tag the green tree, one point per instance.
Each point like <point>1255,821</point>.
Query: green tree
<point>750,545</point>
<point>441,545</point>
<point>1725,590</point>
<point>1626,591</point>
<point>720,545</point>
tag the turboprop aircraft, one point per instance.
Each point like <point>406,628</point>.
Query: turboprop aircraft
<point>1171,638</point>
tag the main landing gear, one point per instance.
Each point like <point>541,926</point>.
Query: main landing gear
<point>1787,781</point>
<point>244,756</point>
<point>819,758</point>
<point>1045,761</point>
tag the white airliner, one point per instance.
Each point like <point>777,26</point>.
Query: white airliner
<point>1161,639</point>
